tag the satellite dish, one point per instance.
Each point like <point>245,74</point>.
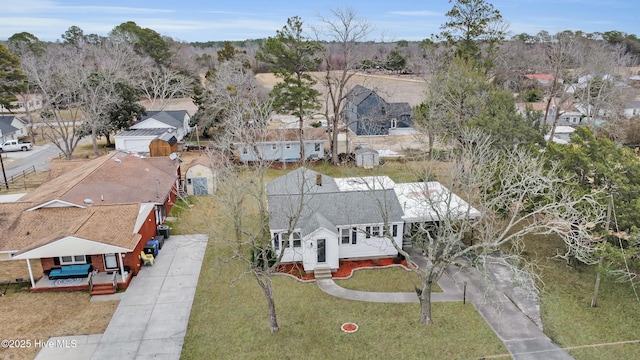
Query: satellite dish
<point>88,201</point>
<point>173,156</point>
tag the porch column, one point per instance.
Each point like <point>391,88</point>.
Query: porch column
<point>33,283</point>
<point>121,267</point>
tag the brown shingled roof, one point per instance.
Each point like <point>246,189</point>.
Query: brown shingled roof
<point>108,224</point>
<point>116,178</point>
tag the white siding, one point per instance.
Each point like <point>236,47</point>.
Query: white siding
<point>134,144</point>
<point>374,246</point>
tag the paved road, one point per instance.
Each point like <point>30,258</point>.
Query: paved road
<point>18,161</point>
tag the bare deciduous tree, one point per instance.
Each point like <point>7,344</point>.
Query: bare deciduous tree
<point>346,29</point>
<point>162,84</point>
<point>56,75</point>
<point>498,198</point>
<point>243,112</point>
<point>599,81</point>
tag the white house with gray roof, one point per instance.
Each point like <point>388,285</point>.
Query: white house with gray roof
<point>315,221</point>
<point>318,220</point>
<point>156,124</point>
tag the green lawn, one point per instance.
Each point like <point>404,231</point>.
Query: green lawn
<point>570,321</point>
<point>393,279</point>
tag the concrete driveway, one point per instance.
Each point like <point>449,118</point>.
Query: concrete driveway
<point>152,317</point>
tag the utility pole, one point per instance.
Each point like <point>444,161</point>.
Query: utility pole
<point>4,173</point>
<point>594,301</point>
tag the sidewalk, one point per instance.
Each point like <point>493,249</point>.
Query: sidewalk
<point>152,317</point>
<point>522,337</point>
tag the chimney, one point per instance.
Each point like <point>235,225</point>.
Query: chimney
<point>319,179</point>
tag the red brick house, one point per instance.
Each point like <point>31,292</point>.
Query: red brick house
<point>101,213</point>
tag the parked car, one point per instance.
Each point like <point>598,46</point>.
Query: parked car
<point>15,145</point>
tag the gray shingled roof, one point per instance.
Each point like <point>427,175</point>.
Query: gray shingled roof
<point>398,109</point>
<point>341,208</point>
<point>291,183</point>
<point>9,118</point>
<point>6,128</point>
<point>142,132</point>
<point>358,93</point>
<point>174,118</point>
<point>168,137</point>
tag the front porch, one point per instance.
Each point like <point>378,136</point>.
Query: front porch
<point>98,283</point>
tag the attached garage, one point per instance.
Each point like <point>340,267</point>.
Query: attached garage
<point>137,141</point>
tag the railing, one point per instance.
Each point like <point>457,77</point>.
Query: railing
<point>90,282</point>
<point>14,178</point>
<point>114,282</point>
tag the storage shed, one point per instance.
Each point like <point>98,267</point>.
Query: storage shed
<point>200,177</point>
<point>367,158</point>
<point>163,145</point>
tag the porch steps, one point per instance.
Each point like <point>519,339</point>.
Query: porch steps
<point>322,272</point>
<point>103,289</point>
<point>406,243</point>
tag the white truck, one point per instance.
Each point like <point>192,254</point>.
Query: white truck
<point>15,145</point>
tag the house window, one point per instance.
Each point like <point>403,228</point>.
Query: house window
<point>317,147</point>
<point>276,241</point>
<point>368,231</point>
<point>375,231</point>
<point>395,230</point>
<point>297,241</point>
<point>344,236</point>
<point>70,260</point>
<point>354,236</point>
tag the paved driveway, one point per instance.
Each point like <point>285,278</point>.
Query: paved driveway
<point>152,317</point>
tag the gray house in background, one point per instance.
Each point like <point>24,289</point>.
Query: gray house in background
<point>366,113</point>
<point>12,128</point>
<point>283,145</point>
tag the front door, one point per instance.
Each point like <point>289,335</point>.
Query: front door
<point>322,250</point>
<point>110,261</point>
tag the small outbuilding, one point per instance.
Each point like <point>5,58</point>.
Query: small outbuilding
<point>200,177</point>
<point>367,158</point>
<point>164,145</point>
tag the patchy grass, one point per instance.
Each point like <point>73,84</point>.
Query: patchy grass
<point>29,316</point>
<point>393,279</point>
<point>229,320</point>
<point>568,318</point>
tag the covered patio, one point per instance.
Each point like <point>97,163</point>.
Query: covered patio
<point>88,283</point>
<point>72,250</point>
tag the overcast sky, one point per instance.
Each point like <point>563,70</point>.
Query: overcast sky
<point>215,20</point>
